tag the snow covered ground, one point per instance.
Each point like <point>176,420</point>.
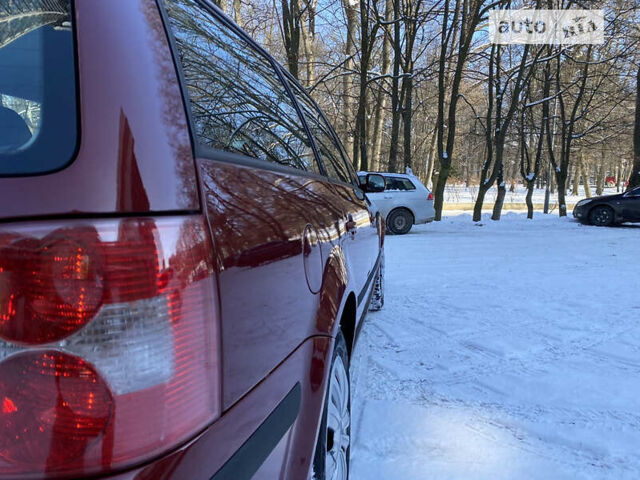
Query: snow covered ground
<point>506,350</point>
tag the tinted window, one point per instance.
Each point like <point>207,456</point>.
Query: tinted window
<point>399,183</point>
<point>329,151</point>
<point>238,102</point>
<point>635,193</point>
<point>38,129</point>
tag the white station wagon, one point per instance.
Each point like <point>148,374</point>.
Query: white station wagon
<point>404,202</point>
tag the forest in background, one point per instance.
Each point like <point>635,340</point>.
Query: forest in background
<point>417,83</point>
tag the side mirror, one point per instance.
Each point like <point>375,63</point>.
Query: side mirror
<point>374,183</point>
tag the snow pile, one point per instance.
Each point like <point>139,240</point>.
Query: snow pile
<point>505,350</point>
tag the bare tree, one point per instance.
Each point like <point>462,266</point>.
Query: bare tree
<point>469,14</point>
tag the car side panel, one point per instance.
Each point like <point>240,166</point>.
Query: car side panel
<point>257,219</point>
<point>135,151</point>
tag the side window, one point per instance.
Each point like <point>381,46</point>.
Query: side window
<point>329,151</point>
<point>399,183</point>
<point>237,99</point>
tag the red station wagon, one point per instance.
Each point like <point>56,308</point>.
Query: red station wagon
<point>185,255</point>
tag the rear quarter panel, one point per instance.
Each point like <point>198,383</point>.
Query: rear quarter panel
<point>257,219</point>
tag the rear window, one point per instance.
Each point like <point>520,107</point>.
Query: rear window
<point>38,114</point>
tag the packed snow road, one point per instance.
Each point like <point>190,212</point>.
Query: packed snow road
<point>506,350</point>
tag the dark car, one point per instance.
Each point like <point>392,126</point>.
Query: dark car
<point>609,209</point>
<point>185,253</point>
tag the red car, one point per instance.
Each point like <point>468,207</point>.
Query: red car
<point>185,255</point>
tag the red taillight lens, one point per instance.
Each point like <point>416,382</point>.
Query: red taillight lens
<point>107,343</point>
<point>49,396</point>
<point>49,288</point>
<point>430,196</point>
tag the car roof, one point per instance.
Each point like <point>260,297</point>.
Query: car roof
<point>389,174</point>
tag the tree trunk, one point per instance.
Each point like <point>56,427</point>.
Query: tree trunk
<point>446,140</point>
<point>407,114</point>
<point>622,177</point>
<point>308,34</point>
<point>562,192</point>
<point>351,15</point>
<point>237,12</point>
<point>600,177</point>
<point>367,38</point>
<point>291,32</point>
<point>585,180</point>
<point>431,161</point>
<point>529,199</point>
<point>381,104</point>
<point>497,206</point>
<point>396,101</point>
<point>576,176</point>
<point>477,208</point>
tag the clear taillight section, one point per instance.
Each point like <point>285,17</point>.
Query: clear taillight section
<point>108,343</point>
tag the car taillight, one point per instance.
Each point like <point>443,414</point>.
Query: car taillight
<point>430,196</point>
<point>108,343</point>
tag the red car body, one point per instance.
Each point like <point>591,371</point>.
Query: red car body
<point>261,267</point>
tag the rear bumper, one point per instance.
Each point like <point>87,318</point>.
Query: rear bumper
<point>425,220</point>
<point>268,434</point>
<point>425,214</point>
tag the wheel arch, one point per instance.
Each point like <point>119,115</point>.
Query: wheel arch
<point>348,321</point>
<point>334,305</point>
<point>616,213</point>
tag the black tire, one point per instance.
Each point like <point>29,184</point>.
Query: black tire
<point>400,221</point>
<point>377,296</point>
<point>325,437</point>
<point>602,216</point>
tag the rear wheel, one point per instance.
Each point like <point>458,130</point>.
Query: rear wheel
<point>331,461</point>
<point>601,216</point>
<point>400,221</point>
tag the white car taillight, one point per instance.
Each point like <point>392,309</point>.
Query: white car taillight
<point>108,343</point>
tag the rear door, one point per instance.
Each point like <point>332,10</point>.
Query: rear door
<point>362,244</point>
<point>398,192</point>
<point>264,194</point>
